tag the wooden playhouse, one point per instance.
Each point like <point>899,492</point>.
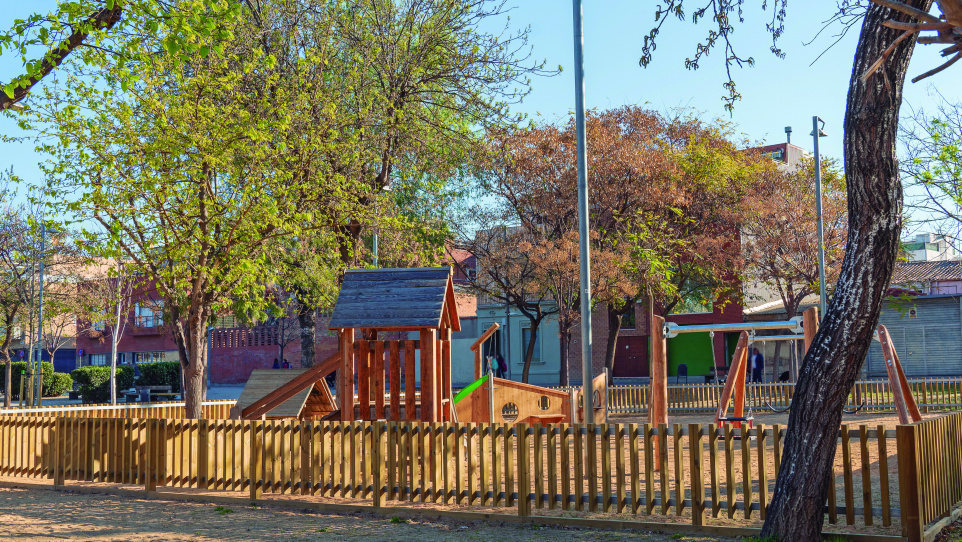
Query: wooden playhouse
<point>376,301</point>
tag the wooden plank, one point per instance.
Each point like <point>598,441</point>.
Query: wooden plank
<point>591,465</point>
<point>410,393</point>
<point>847,471</point>
<point>713,468</point>
<point>605,450</point>
<point>619,432</point>
<point>747,470</point>
<point>497,462</point>
<point>363,379</point>
<point>553,434</point>
<point>883,476</point>
<point>762,471</point>
<point>730,470</point>
<point>428,375</point>
<point>635,468</point>
<point>566,466</point>
<point>345,392</point>
<point>663,461</point>
<point>510,442</point>
<point>395,368</point>
<point>377,381</point>
<point>695,456</point>
<point>538,439</point>
<point>678,446</point>
<point>649,471</point>
<point>866,474</point>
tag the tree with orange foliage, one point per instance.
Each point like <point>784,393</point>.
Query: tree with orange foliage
<point>780,237</point>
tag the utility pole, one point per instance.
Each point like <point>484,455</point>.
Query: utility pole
<point>585,294</point>
<point>817,132</point>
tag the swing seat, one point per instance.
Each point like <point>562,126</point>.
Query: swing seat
<point>736,421</point>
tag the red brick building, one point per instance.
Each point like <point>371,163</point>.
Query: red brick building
<point>234,351</point>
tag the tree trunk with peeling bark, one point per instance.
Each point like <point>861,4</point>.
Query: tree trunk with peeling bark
<point>832,364</point>
<point>306,317</point>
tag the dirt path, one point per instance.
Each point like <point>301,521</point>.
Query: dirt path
<point>31,514</point>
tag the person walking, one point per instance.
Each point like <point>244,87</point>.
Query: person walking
<point>277,364</point>
<point>502,367</point>
<point>757,365</point>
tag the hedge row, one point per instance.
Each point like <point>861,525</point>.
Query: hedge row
<point>54,384</point>
<point>162,373</point>
<point>94,382</point>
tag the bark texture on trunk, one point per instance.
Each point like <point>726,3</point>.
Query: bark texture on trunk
<point>306,317</point>
<point>832,364</point>
<point>7,385</point>
<point>529,349</point>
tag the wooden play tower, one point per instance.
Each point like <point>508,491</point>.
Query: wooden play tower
<point>376,301</point>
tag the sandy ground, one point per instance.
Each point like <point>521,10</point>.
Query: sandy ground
<point>33,514</point>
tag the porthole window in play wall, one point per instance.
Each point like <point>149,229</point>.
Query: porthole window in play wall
<point>509,412</point>
<point>544,402</point>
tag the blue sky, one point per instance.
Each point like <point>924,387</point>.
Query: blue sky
<point>776,93</point>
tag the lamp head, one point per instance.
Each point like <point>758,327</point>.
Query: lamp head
<point>821,128</point>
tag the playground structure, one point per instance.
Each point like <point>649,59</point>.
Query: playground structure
<point>497,400</point>
<point>733,394</point>
<point>377,301</point>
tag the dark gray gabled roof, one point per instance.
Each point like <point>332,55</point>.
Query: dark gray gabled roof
<point>395,298</point>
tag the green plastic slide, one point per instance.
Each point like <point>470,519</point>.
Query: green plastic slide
<point>471,387</point>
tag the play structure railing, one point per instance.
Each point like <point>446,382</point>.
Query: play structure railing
<point>706,471</point>
<point>876,395</point>
<point>930,462</point>
<point>219,409</point>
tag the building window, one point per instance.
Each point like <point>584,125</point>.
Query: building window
<point>149,314</point>
<point>98,359</point>
<point>149,357</point>
<point>525,340</point>
<point>628,319</point>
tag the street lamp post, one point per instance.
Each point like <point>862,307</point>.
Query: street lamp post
<point>585,294</point>
<point>818,130</point>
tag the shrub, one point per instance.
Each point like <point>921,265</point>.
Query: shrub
<point>60,384</point>
<point>21,366</point>
<point>162,373</point>
<point>94,382</point>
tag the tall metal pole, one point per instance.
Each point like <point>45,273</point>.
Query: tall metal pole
<point>375,247</point>
<point>38,379</point>
<point>816,133</point>
<point>586,359</point>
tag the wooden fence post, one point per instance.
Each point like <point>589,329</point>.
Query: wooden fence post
<point>524,474</point>
<point>697,477</point>
<point>910,502</point>
<point>59,448</point>
<point>257,463</point>
<point>377,464</point>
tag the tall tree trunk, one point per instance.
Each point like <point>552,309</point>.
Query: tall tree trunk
<point>832,364</point>
<point>307,319</point>
<point>614,326</point>
<point>565,357</point>
<point>529,348</point>
<point>8,374</point>
<point>114,339</point>
<point>192,349</point>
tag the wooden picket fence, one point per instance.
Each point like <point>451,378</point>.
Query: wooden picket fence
<point>219,409</point>
<point>704,470</point>
<point>930,461</point>
<point>875,395</point>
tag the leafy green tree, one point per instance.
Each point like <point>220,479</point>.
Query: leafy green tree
<point>932,168</point>
<point>188,159</point>
<point>44,41</point>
